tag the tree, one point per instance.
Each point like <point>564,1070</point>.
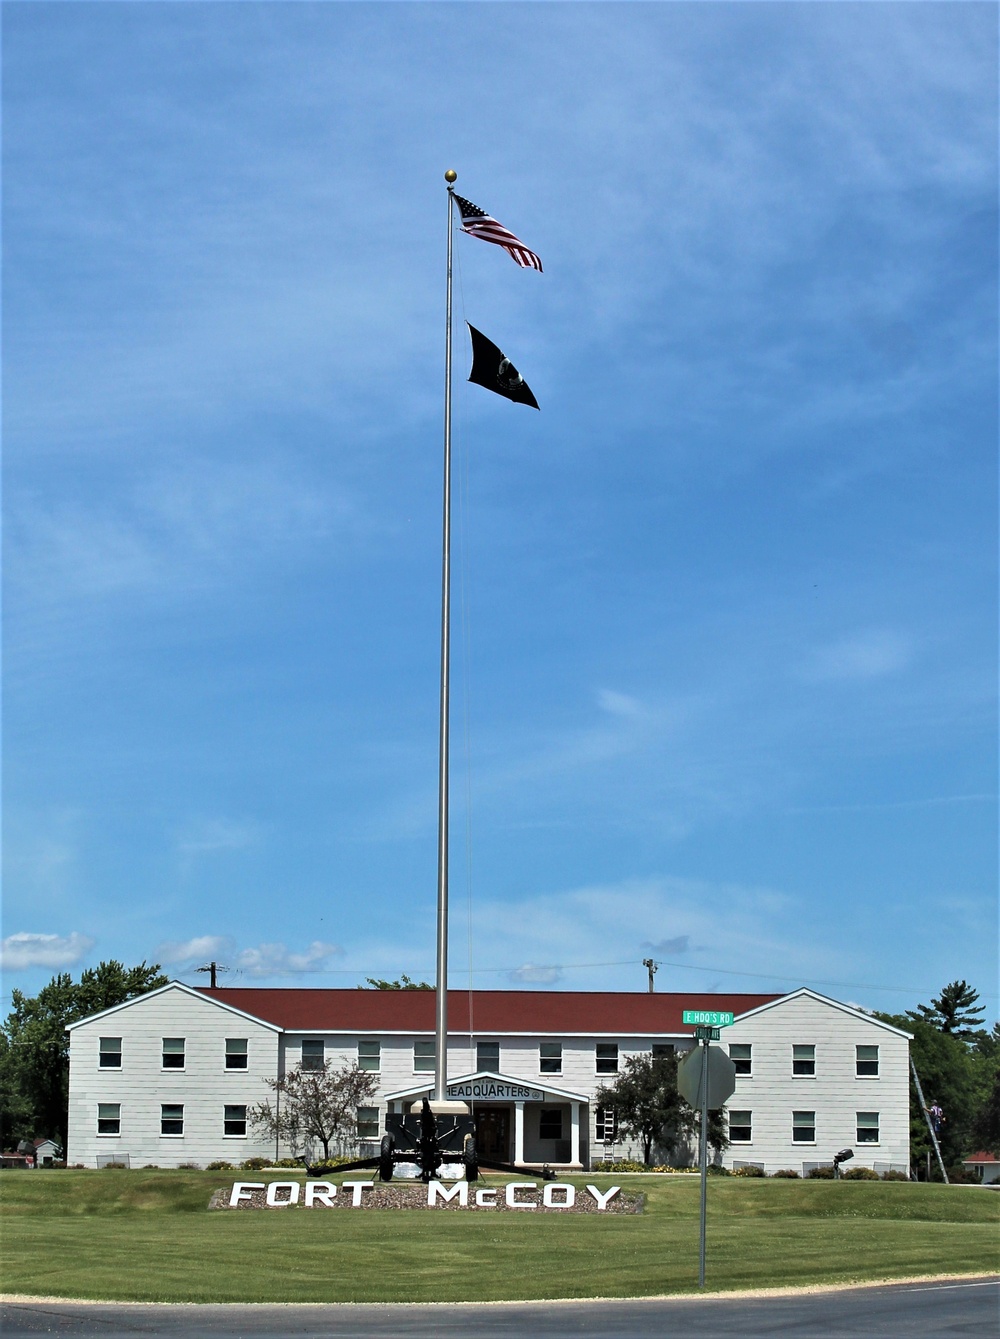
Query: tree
<point>34,1047</point>
<point>649,1107</point>
<point>315,1104</point>
<point>947,1076</point>
<point>954,1011</point>
<point>376,983</point>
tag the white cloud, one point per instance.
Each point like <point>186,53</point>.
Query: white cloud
<point>276,959</point>
<point>670,948</point>
<point>866,655</point>
<point>618,704</point>
<point>202,947</point>
<point>217,834</point>
<point>25,950</point>
<point>530,975</point>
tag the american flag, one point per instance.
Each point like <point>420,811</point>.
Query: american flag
<point>477,223</point>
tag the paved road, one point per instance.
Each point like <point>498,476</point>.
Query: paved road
<point>896,1311</point>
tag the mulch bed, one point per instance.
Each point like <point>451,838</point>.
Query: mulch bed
<point>414,1196</point>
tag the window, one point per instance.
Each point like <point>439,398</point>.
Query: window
<point>804,1062</point>
<point>741,1054</point>
<point>741,1127</point>
<point>662,1049</point>
<point>423,1057</point>
<point>607,1057</point>
<point>867,1127</point>
<point>236,1052</point>
<point>368,1127</point>
<point>111,1053</point>
<point>550,1057</point>
<point>550,1123</point>
<point>234,1122</point>
<point>488,1056</point>
<point>312,1055</point>
<point>867,1062</point>
<point>173,1052</point>
<point>171,1118</point>
<point>109,1118</point>
<point>803,1127</point>
<point>606,1124</point>
<point>370,1056</point>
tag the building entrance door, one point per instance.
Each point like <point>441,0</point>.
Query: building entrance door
<point>493,1133</point>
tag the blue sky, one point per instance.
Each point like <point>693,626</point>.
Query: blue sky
<point>725,609</point>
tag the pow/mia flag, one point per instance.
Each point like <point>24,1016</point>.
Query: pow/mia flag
<point>497,373</point>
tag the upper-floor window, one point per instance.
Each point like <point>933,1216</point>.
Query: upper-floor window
<point>370,1056</point>
<point>423,1057</point>
<point>741,1054</point>
<point>110,1053</point>
<point>173,1052</point>
<point>488,1056</point>
<point>171,1118</point>
<point>367,1123</point>
<point>234,1121</point>
<point>804,1061</point>
<point>109,1118</point>
<point>803,1127</point>
<point>550,1123</point>
<point>661,1049</point>
<point>741,1127</point>
<point>312,1054</point>
<point>866,1064</point>
<point>607,1057</point>
<point>236,1053</point>
<point>867,1129</point>
<point>606,1124</point>
<point>550,1057</point>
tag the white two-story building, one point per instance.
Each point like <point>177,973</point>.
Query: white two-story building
<point>170,1077</point>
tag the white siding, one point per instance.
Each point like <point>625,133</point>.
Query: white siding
<point>204,1086</point>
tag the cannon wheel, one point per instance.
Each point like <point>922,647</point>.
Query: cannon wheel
<point>471,1159</point>
<point>385,1158</point>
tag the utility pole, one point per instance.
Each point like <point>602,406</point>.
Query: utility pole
<point>652,968</point>
<point>213,968</point>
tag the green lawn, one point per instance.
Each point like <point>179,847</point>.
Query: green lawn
<point>148,1236</point>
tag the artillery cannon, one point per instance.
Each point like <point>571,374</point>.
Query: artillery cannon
<point>430,1139</point>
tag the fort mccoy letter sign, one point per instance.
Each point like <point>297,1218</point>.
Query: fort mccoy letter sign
<point>517,1195</point>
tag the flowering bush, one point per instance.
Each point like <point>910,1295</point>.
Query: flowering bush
<point>788,1172</point>
<point>748,1170</point>
<point>862,1174</point>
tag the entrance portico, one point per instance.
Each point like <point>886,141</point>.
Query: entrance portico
<point>516,1121</point>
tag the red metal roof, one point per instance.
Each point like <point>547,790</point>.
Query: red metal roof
<point>980,1157</point>
<point>493,1011</point>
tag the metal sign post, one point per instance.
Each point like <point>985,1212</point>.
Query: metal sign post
<point>703,1162</point>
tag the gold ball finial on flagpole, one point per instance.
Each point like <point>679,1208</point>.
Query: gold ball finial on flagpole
<point>450,176</point>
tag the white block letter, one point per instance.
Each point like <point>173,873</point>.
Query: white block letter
<point>356,1187</point>
<point>320,1192</point>
<point>241,1191</point>
<point>603,1200</point>
<point>486,1198</point>
<point>436,1191</point>
<point>272,1194</point>
<point>568,1191</point>
<point>513,1202</point>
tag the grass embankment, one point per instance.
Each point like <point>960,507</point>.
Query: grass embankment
<point>148,1236</point>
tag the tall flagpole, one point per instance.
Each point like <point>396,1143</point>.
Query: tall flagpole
<point>441,1018</point>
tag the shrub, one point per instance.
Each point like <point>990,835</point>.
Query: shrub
<point>748,1171</point>
<point>821,1173</point>
<point>894,1176</point>
<point>150,1167</point>
<point>300,1162</point>
<point>115,1167</point>
<point>717,1170</point>
<point>623,1165</point>
<point>861,1174</point>
<point>189,1166</point>
<point>221,1166</point>
<point>788,1173</point>
<point>254,1164</point>
<point>673,1171</point>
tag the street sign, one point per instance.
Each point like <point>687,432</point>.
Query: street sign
<point>708,1017</point>
<point>708,1033</point>
<point>721,1078</point>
